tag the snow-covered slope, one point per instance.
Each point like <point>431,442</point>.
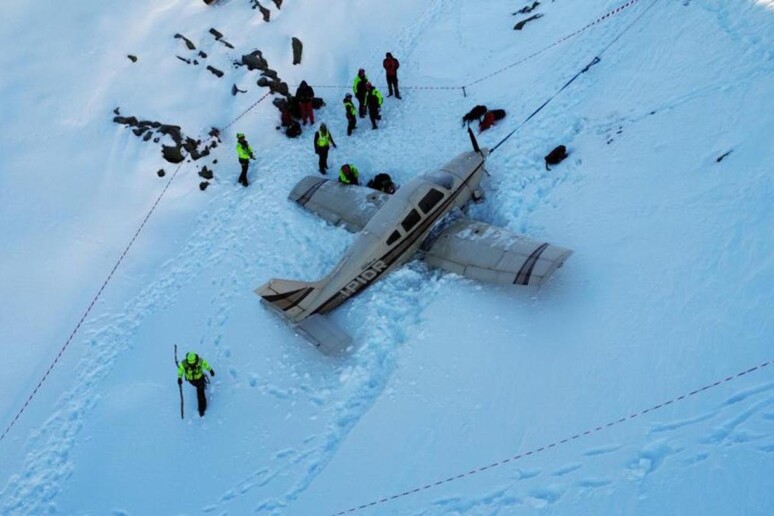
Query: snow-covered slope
<point>581,396</point>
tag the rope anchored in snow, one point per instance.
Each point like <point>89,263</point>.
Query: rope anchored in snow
<point>555,444</point>
<point>584,70</point>
<point>107,280</point>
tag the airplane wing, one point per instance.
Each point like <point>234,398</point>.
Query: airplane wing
<point>487,253</point>
<point>350,206</point>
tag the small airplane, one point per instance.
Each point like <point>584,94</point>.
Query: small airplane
<point>420,218</point>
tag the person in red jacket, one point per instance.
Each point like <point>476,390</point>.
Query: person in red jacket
<point>391,66</point>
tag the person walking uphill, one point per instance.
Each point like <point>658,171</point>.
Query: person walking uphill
<point>359,89</point>
<point>351,112</point>
<point>391,66</point>
<point>193,368</point>
<point>349,175</point>
<point>245,153</point>
<point>305,96</point>
<point>322,144</point>
<point>374,101</point>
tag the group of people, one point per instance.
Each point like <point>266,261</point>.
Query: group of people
<point>370,101</point>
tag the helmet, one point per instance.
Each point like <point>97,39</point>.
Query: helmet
<point>345,169</point>
<point>191,357</point>
<point>348,96</point>
<point>240,136</point>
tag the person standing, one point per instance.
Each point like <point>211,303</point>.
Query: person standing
<point>359,89</point>
<point>349,175</point>
<point>322,144</point>
<point>351,112</point>
<point>305,96</point>
<point>391,66</point>
<point>374,100</point>
<point>245,153</point>
<point>193,368</point>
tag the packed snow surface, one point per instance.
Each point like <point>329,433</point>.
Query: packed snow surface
<point>586,396</point>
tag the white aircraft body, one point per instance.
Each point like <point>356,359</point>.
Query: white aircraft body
<point>394,229</point>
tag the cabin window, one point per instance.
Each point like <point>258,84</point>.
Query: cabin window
<point>429,201</point>
<point>411,220</point>
<point>392,238</point>
<point>442,179</point>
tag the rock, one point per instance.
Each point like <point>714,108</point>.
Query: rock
<point>172,154</point>
<point>317,103</point>
<point>215,133</point>
<point>116,111</point>
<point>156,139</point>
<point>203,55</point>
<point>278,3</point>
<point>183,59</point>
<point>255,61</point>
<point>217,34</point>
<point>264,82</point>
<point>229,45</point>
<point>235,90</point>
<point>132,58</point>
<point>265,12</point>
<point>188,42</point>
<point>271,74</point>
<point>161,173</point>
<point>173,131</point>
<point>298,48</point>
<point>281,87</point>
<point>210,2</point>
<point>523,22</point>
<point>139,130</point>
<point>215,71</point>
<point>203,185</point>
<point>147,136</point>
<point>205,172</point>
<point>126,120</point>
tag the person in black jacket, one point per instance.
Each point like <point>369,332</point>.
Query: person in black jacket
<point>305,96</point>
<point>323,140</point>
<point>359,89</point>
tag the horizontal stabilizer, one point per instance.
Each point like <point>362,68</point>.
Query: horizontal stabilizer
<point>320,331</point>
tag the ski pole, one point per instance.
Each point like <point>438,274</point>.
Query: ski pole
<point>180,386</point>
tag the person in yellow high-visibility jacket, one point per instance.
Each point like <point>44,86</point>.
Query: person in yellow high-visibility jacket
<point>193,368</point>
<point>349,175</point>
<point>245,154</point>
<point>323,139</point>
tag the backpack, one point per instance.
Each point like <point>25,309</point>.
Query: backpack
<point>294,130</point>
<point>556,156</point>
<point>383,183</point>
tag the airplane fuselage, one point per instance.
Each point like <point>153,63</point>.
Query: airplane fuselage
<point>397,230</point>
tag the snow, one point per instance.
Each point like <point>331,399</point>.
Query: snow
<point>669,288</point>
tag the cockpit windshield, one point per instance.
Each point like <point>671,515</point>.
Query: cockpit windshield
<point>441,178</point>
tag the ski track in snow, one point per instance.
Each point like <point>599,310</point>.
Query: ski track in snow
<point>676,443</point>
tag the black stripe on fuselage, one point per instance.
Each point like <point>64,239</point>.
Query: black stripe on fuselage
<point>392,256</point>
<point>524,274</point>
